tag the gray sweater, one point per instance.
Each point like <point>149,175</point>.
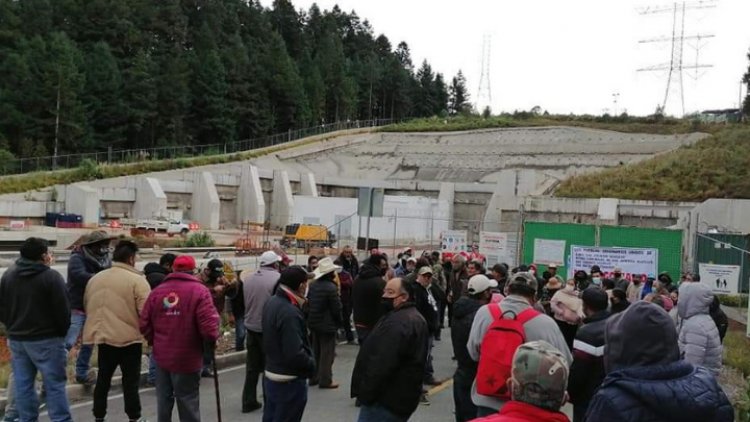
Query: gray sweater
<point>257,288</point>
<point>541,327</point>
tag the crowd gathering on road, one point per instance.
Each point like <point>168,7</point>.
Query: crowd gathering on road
<point>619,347</point>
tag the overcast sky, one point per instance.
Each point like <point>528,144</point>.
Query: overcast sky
<point>567,56</point>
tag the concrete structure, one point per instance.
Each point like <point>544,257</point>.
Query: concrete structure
<point>84,200</point>
<point>150,199</point>
<point>251,206</point>
<point>205,201</point>
<point>282,203</point>
<point>307,184</point>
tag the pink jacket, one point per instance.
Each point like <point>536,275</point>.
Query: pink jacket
<point>179,315</point>
<point>567,306</point>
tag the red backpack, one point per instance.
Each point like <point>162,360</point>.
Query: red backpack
<point>496,352</point>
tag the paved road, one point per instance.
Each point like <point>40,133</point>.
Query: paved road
<point>322,405</point>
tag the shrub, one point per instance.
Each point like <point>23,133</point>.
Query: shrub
<point>198,240</point>
<point>733,301</point>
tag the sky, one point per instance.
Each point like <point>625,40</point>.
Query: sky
<point>569,56</point>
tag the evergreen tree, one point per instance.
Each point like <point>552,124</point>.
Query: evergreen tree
<point>459,95</point>
<point>289,106</point>
<point>441,95</point>
<point>103,97</point>
<point>746,80</point>
<point>140,100</point>
<point>425,91</point>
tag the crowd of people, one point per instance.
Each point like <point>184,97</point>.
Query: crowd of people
<point>618,347</point>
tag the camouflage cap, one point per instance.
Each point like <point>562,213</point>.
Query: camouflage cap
<point>525,279</point>
<point>540,375</point>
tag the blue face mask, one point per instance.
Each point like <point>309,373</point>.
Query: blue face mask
<point>597,281</point>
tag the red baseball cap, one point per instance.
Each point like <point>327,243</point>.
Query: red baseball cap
<point>184,263</point>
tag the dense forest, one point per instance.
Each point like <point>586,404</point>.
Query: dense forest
<point>90,74</point>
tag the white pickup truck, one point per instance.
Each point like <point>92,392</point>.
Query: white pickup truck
<point>167,226</point>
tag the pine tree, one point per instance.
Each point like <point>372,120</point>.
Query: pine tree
<point>459,96</point>
<point>103,97</point>
<point>285,88</point>
<point>425,91</point>
<point>140,100</point>
<point>746,80</point>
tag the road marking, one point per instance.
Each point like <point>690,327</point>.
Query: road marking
<point>438,388</point>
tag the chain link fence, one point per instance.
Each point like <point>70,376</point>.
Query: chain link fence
<point>112,156</point>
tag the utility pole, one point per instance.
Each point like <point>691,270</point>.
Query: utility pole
<point>615,97</point>
<point>57,121</point>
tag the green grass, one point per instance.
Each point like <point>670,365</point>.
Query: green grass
<point>89,170</point>
<point>715,167</point>
<point>736,346</point>
<point>625,124</point>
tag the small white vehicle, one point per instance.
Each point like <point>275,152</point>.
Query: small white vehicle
<point>161,225</point>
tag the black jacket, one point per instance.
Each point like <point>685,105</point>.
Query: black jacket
<point>366,294</point>
<point>350,266</point>
<point>646,380</point>
<point>719,317</point>
<point>587,370</point>
<point>33,302</point>
<point>422,302</point>
<point>80,270</point>
<point>463,316</point>
<point>285,342</point>
<point>155,274</point>
<point>324,305</point>
<point>390,365</point>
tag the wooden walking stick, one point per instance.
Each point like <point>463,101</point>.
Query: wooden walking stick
<point>216,386</point>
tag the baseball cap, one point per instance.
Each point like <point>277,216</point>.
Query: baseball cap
<point>617,270</point>
<point>215,266</point>
<point>539,375</point>
<point>552,266</point>
<point>526,279</point>
<point>412,259</point>
<point>425,270</point>
<point>184,263</point>
<point>269,258</point>
<point>480,283</point>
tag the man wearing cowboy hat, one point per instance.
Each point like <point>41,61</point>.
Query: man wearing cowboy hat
<point>324,319</point>
<point>90,257</point>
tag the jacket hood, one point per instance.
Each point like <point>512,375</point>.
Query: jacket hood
<point>677,391</point>
<point>28,268</point>
<point>465,306</point>
<point>369,271</point>
<point>642,335</point>
<point>695,299</point>
<point>153,267</point>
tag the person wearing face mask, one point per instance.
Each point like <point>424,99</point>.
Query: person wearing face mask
<point>567,308</point>
<point>620,281</point>
<point>582,280</point>
<point>89,258</point>
<point>288,355</point>
<point>387,376</point>
<point>366,293</point>
<point>35,310</point>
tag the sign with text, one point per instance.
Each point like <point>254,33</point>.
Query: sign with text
<point>632,261</point>
<point>494,246</point>
<point>547,251</point>
<point>453,242</point>
<point>720,278</point>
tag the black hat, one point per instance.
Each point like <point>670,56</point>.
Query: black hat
<point>215,267</point>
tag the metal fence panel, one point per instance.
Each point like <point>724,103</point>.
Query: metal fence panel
<point>572,234</point>
<point>724,249</point>
<point>668,242</point>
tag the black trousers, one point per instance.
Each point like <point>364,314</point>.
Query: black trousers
<point>324,349</point>
<point>128,358</point>
<point>347,311</point>
<point>254,366</point>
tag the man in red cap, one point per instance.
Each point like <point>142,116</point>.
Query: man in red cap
<point>178,317</point>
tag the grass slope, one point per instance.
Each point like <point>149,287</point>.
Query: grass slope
<point>716,167</point>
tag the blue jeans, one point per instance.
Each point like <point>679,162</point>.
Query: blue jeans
<point>84,354</point>
<point>239,335</point>
<point>48,357</point>
<point>378,413</point>
<point>284,401</point>
<point>151,377</point>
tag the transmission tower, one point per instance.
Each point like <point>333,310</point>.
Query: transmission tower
<point>484,94</point>
<point>676,66</point>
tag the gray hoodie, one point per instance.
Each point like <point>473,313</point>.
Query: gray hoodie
<point>541,327</point>
<point>699,338</point>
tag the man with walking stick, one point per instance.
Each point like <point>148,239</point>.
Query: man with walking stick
<point>177,319</point>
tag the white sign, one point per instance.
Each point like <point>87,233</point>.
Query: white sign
<point>17,224</point>
<point>494,246</point>
<point>453,241</point>
<point>548,251</point>
<point>632,261</point>
<point>720,278</point>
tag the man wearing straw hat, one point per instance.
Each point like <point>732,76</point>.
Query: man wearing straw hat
<point>324,319</point>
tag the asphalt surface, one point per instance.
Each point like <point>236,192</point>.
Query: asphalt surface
<point>322,405</point>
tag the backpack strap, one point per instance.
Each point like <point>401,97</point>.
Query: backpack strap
<point>495,311</point>
<point>527,315</point>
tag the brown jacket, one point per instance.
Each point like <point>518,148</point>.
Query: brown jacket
<point>113,302</point>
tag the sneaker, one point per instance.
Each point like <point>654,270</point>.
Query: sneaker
<point>331,386</point>
<point>423,400</point>
<point>207,373</point>
<point>433,381</point>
